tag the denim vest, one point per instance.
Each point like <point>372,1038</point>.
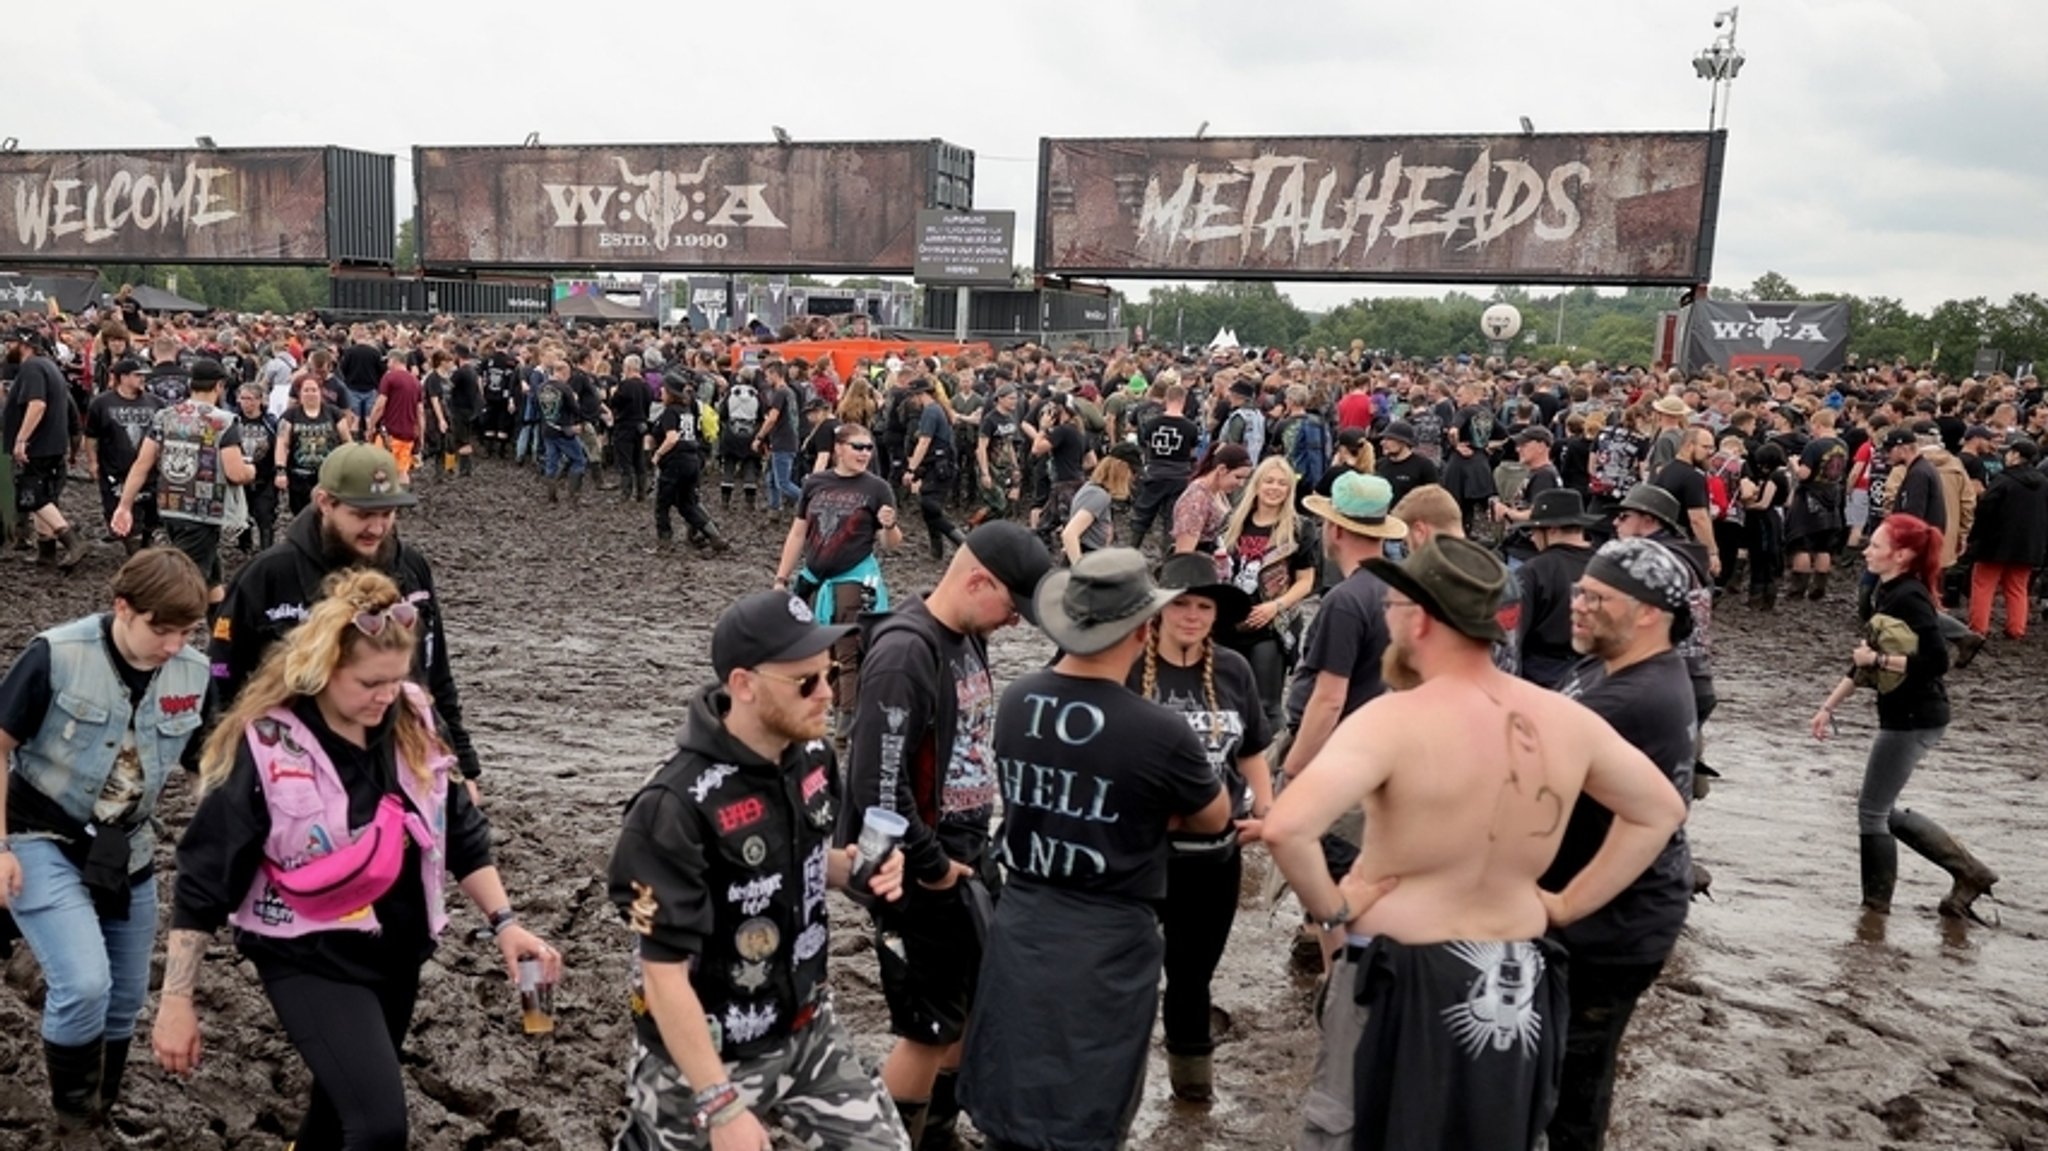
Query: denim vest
<point>74,752</point>
<point>309,817</point>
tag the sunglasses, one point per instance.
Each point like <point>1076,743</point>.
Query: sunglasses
<point>862,446</point>
<point>806,685</point>
<point>372,623</point>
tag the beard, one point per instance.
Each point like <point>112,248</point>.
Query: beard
<point>340,553</point>
<point>795,722</point>
<point>1396,671</point>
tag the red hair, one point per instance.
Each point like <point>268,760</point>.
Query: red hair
<point>1913,534</point>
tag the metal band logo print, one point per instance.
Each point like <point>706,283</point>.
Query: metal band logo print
<point>1810,337</point>
<point>1632,209</point>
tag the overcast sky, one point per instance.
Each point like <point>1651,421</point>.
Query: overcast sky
<point>1886,147</point>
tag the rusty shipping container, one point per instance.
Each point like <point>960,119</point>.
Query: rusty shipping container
<point>435,296</point>
<point>194,206</point>
<point>1606,208</point>
<point>824,207</point>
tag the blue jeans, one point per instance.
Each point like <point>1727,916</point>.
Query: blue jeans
<point>96,970</point>
<point>359,405</point>
<point>782,489</point>
<point>564,454</point>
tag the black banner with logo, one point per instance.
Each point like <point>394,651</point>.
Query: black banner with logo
<point>1811,337</point>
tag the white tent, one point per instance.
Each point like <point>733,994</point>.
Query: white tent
<point>1224,341</point>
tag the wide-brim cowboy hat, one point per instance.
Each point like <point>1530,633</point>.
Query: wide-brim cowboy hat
<point>1559,508</point>
<point>1104,597</point>
<point>1192,574</point>
<point>1455,580</point>
<point>1361,503</point>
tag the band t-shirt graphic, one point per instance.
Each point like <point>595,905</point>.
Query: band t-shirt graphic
<point>313,437</point>
<point>117,425</point>
<point>1235,729</point>
<point>1090,774</point>
<point>189,439</point>
<point>840,512</point>
<point>1169,443</point>
<point>969,787</point>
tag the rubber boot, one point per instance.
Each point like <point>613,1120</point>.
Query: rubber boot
<point>1880,854</point>
<point>1771,596</point>
<point>465,465</point>
<point>1818,590</point>
<point>958,537</point>
<point>725,496</point>
<point>1795,584</point>
<point>1193,1077</point>
<point>753,496</point>
<point>114,1068</point>
<point>46,553</point>
<point>130,544</point>
<point>1926,837</point>
<point>1756,599</point>
<point>942,1121</point>
<point>597,477</point>
<point>912,1112</point>
<point>664,545</point>
<point>554,489</point>
<point>717,541</point>
<point>575,490</point>
<point>938,543</point>
<point>76,549</point>
<point>74,1082</point>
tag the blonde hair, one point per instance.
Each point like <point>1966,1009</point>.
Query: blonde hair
<point>1113,476</point>
<point>302,664</point>
<point>1151,681</point>
<point>1431,504</point>
<point>1286,529</point>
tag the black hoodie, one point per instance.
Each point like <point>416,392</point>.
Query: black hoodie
<point>277,589</point>
<point>722,865</point>
<point>2012,520</point>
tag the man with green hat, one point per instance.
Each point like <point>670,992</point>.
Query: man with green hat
<point>352,522</point>
<point>1445,1025</point>
<point>1092,776</point>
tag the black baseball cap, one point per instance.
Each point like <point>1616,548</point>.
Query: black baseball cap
<point>768,627</point>
<point>23,335</point>
<point>206,371</point>
<point>1900,438</point>
<point>1016,557</point>
<point>128,366</point>
<point>1535,434</point>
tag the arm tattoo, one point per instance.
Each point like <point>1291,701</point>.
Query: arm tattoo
<point>181,962</point>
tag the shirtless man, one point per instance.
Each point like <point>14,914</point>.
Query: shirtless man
<point>1466,775</point>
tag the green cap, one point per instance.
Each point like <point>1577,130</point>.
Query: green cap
<point>364,476</point>
<point>1137,384</point>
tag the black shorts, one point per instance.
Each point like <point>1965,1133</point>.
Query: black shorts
<point>461,431</point>
<point>38,483</point>
<point>199,541</point>
<point>930,958</point>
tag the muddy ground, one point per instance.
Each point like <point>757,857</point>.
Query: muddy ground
<point>1775,1025</point>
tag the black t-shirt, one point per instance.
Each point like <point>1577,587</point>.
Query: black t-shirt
<point>1347,638</point>
<point>630,401</point>
<point>1081,812</point>
<point>25,693</point>
<point>1260,574</point>
<point>259,438</point>
<point>933,425</point>
<point>782,398</point>
<point>1686,483</point>
<point>36,378</point>
<point>1235,728</point>
<point>1543,479</point>
<point>1827,462</point>
<point>465,392</point>
<point>1169,443</point>
<point>840,514</point>
<point>1069,446</point>
<point>1920,494</point>
<point>1649,704</point>
<point>313,436</point>
<point>117,426</point>
<point>819,440</point>
<point>999,432</point>
<point>1408,473</point>
<point>682,419</point>
<point>501,381</point>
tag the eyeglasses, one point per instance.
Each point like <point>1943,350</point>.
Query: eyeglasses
<point>806,685</point>
<point>371,623</point>
<point>1595,600</point>
<point>862,446</point>
<point>1393,603</point>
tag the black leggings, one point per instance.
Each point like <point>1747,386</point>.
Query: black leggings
<point>1201,904</point>
<point>349,1034</point>
<point>1263,650</point>
<point>675,489</point>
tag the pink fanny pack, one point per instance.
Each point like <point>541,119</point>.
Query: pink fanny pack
<point>351,878</point>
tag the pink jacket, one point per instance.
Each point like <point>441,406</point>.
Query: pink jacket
<point>309,816</point>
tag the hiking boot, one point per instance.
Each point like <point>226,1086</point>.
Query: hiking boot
<point>978,517</point>
<point>1818,590</point>
<point>1972,878</point>
<point>1795,584</point>
<point>1967,649</point>
<point>1193,1077</point>
<point>75,1074</point>
<point>76,549</point>
<point>1880,854</point>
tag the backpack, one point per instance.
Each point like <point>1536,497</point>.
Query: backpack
<point>743,410</point>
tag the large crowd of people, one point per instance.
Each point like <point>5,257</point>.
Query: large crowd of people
<point>1434,634</point>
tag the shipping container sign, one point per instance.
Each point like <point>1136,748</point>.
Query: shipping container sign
<point>1623,209</point>
<point>965,247</point>
<point>236,205</point>
<point>848,207</point>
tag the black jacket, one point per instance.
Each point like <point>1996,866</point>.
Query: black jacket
<point>1546,617</point>
<point>722,865</point>
<point>2012,520</point>
<point>274,591</point>
<point>1921,699</point>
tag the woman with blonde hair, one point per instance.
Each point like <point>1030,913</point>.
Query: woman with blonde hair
<point>1088,527</point>
<point>325,832</point>
<point>1270,553</point>
<point>857,402</point>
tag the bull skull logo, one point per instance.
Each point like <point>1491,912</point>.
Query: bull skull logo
<point>665,198</point>
<point>1768,329</point>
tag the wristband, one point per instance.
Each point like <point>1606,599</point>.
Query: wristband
<point>501,919</point>
<point>729,1112</point>
<point>712,1103</point>
<point>1341,917</point>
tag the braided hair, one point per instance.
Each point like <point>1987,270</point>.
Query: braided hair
<point>1151,682</point>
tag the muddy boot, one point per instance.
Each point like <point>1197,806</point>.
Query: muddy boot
<point>942,1121</point>
<point>114,1068</point>
<point>1756,599</point>
<point>1967,649</point>
<point>554,489</point>
<point>130,544</point>
<point>938,543</point>
<point>75,549</point>
<point>912,1112</point>
<point>715,539</point>
<point>1795,584</point>
<point>1193,1077</point>
<point>575,490</point>
<point>46,553</point>
<point>1702,881</point>
<point>958,537</point>
<point>1818,589</point>
<point>465,466</point>
<point>1771,596</point>
<point>597,477</point>
<point>74,1082</point>
<point>1926,837</point>
<point>753,498</point>
<point>725,496</point>
<point>1880,870</point>
<point>978,517</point>
<point>665,545</point>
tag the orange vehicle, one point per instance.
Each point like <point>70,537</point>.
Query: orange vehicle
<point>847,353</point>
